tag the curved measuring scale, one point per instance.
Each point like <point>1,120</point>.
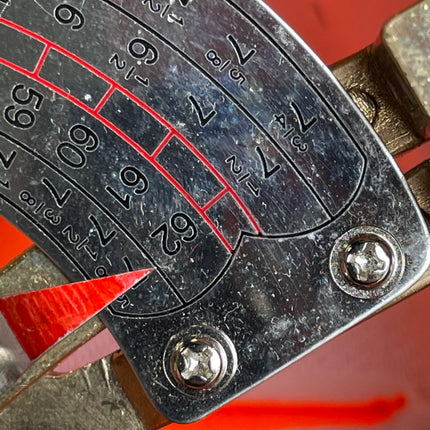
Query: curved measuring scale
<point>202,139</point>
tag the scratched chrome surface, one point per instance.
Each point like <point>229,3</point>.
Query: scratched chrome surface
<point>94,399</point>
<point>203,139</point>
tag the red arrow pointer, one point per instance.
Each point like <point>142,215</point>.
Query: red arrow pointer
<point>40,318</point>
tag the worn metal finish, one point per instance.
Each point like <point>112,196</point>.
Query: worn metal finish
<point>419,181</point>
<point>30,272</point>
<point>50,359</point>
<point>9,368</point>
<point>389,81</point>
<point>89,398</point>
<point>406,39</point>
<point>361,76</point>
<point>151,418</point>
<point>207,141</point>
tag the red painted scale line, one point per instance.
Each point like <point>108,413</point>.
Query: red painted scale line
<point>104,99</point>
<point>95,112</point>
<point>130,141</point>
<point>169,177</point>
<point>162,145</point>
<point>215,172</point>
<point>217,198</point>
<point>87,66</point>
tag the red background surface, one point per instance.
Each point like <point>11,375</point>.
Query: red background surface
<point>384,357</point>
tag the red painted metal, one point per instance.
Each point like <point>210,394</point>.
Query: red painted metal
<point>41,318</point>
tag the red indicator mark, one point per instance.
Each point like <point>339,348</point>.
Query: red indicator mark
<point>41,60</point>
<point>40,318</point>
<point>95,112</point>
<point>170,178</point>
<point>286,415</point>
<point>162,145</point>
<point>14,243</point>
<point>216,199</point>
<point>104,99</point>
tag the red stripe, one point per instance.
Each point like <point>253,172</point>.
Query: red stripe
<point>170,178</point>
<point>195,206</point>
<point>215,172</point>
<point>131,142</point>
<point>140,103</point>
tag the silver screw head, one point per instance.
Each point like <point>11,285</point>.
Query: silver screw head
<point>198,363</point>
<point>200,360</point>
<point>367,262</point>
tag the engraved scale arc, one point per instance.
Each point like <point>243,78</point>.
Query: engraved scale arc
<point>314,87</point>
<point>308,304</point>
<point>95,112</point>
<point>160,168</point>
<point>229,95</point>
<point>170,178</point>
<point>121,134</point>
<point>100,207</point>
<point>114,219</point>
<point>75,184</point>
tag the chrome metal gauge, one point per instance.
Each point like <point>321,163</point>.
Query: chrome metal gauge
<point>205,140</point>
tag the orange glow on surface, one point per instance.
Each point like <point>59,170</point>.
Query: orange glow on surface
<point>277,415</point>
<point>40,318</point>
